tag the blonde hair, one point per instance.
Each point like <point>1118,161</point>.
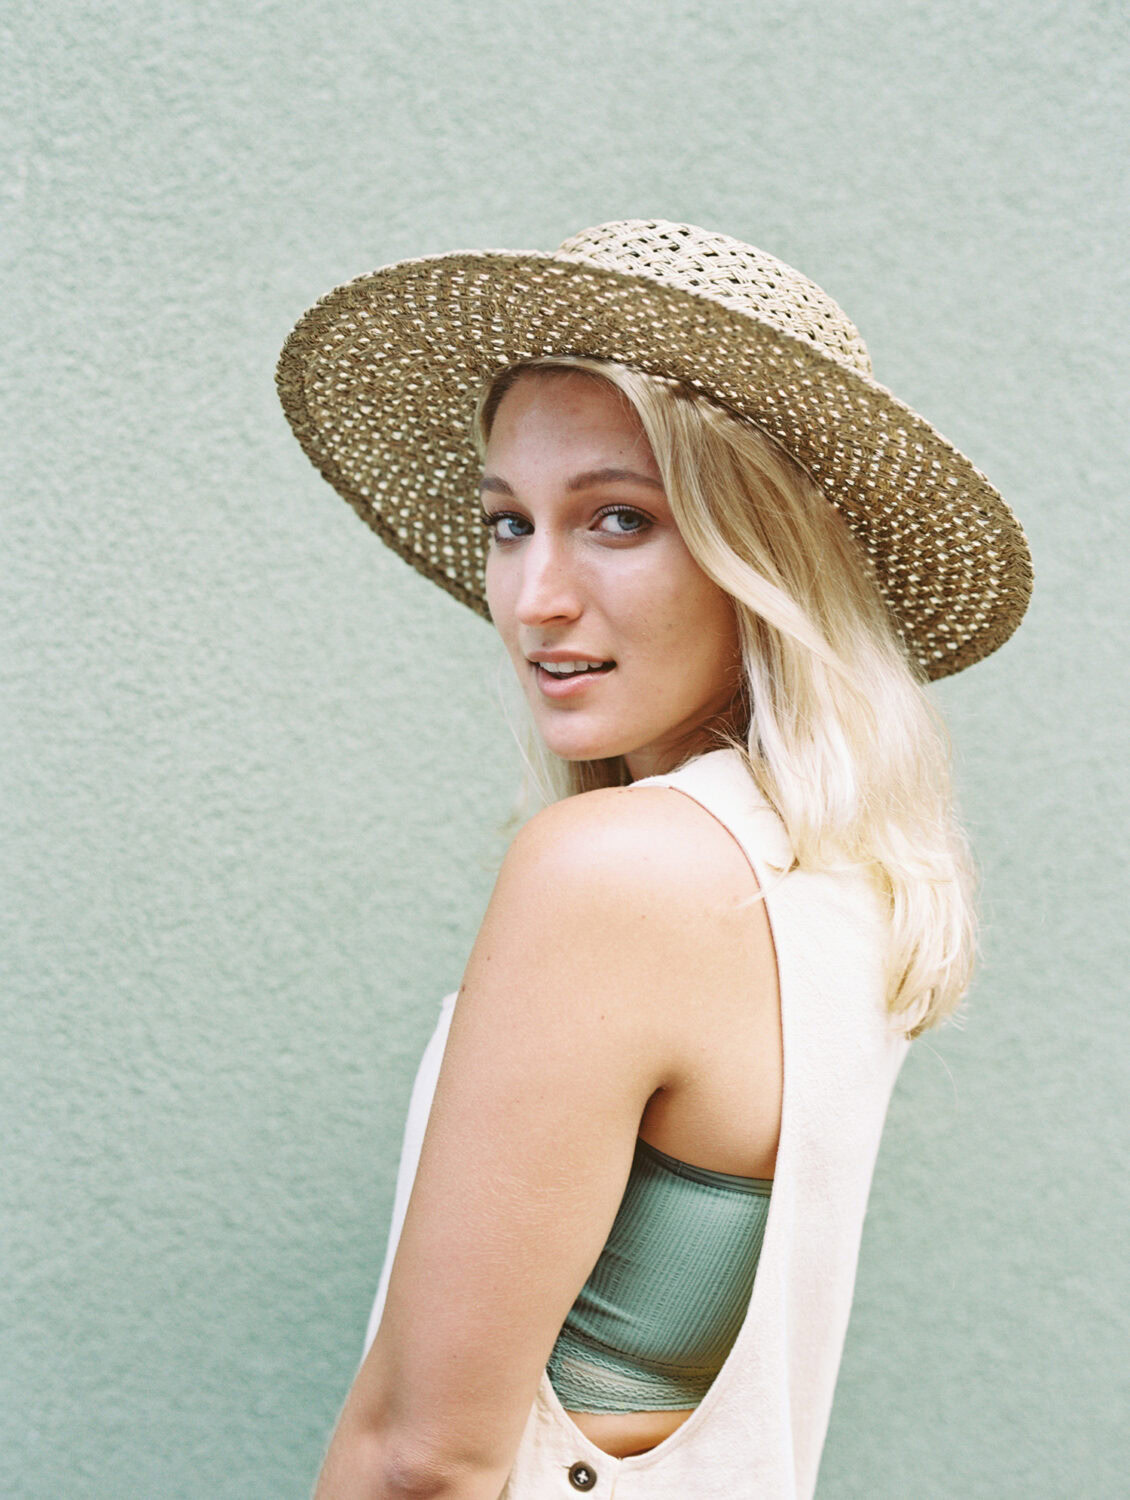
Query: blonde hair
<point>836,727</point>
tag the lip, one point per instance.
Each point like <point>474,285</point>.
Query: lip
<point>565,656</point>
<point>566,687</point>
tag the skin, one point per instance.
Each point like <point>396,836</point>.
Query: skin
<point>620,586</point>
<point>565,573</point>
<point>621,984</point>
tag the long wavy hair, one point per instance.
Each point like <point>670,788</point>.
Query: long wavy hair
<point>833,721</point>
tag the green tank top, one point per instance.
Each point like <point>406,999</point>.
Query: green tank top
<point>652,1325</point>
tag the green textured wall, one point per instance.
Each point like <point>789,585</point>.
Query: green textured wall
<point>253,765</point>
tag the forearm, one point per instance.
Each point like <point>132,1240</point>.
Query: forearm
<point>361,1464</point>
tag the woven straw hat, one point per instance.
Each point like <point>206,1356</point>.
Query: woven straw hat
<point>379,378</point>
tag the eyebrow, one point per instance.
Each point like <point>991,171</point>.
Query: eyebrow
<point>498,486</point>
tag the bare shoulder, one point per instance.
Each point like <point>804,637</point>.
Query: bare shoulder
<point>634,903</point>
<point>651,848</point>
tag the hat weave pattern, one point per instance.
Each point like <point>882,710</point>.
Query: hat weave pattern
<point>379,379</point>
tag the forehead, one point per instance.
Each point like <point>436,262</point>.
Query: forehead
<point>563,407</point>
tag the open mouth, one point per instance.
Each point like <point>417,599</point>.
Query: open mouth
<point>565,684</point>
<point>604,666</point>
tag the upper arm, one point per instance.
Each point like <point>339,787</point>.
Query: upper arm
<point>602,922</point>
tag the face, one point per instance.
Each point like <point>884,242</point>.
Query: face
<point>587,565</point>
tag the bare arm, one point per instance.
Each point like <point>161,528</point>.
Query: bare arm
<point>603,920</point>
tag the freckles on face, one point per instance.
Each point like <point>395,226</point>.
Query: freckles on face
<point>586,562</point>
<point>684,636</point>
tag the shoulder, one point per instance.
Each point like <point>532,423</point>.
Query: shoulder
<point>651,847</point>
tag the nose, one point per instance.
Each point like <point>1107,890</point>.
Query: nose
<point>548,587</point>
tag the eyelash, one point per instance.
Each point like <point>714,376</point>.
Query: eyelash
<point>491,520</point>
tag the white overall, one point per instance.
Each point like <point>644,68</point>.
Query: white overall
<point>759,1430</point>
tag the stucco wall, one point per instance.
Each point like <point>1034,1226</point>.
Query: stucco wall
<point>254,768</point>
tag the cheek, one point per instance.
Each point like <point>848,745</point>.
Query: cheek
<point>498,600</point>
<point>685,611</point>
<point>649,597</point>
<point>699,629</point>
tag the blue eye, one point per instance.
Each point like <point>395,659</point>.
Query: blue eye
<point>642,522</point>
<point>637,523</point>
<point>492,520</point>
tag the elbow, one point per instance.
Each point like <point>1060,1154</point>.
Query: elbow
<point>369,1466</point>
<point>409,1476</point>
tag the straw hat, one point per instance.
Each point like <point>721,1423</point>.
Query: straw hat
<point>379,378</point>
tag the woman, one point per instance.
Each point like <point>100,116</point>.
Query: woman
<point>723,562</point>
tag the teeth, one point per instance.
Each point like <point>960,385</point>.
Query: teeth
<point>565,668</point>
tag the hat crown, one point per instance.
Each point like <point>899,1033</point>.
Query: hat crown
<point>728,271</point>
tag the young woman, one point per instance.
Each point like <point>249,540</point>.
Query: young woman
<point>723,563</point>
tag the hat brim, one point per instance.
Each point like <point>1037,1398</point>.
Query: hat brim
<point>378,381</point>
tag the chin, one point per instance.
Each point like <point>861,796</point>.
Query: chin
<point>582,747</point>
<point>581,752</point>
<point>580,755</point>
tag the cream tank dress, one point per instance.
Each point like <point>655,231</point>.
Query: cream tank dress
<point>760,1428</point>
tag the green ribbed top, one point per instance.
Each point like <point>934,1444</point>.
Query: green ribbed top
<point>652,1325</point>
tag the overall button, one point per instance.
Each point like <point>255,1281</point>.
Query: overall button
<point>582,1476</point>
